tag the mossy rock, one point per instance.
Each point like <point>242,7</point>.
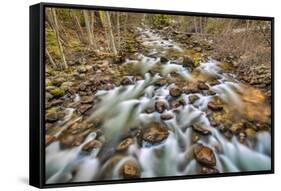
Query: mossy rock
<point>57,92</point>
<point>48,83</point>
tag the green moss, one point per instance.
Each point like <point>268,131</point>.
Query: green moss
<point>51,43</point>
<point>48,83</point>
<point>57,92</point>
<point>160,20</point>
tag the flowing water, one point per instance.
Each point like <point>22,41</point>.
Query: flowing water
<point>123,108</point>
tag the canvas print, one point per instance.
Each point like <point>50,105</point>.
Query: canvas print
<point>132,95</point>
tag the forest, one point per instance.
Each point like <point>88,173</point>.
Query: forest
<point>135,95</point>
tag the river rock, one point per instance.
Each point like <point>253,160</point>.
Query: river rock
<point>215,106</point>
<point>69,140</point>
<point>125,144</point>
<point>163,60</point>
<point>149,110</point>
<point>236,128</point>
<point>52,117</point>
<point>199,129</point>
<point>58,81</point>
<point>155,133</point>
<point>126,81</point>
<point>208,170</point>
<point>66,85</point>
<point>49,139</point>
<point>87,99</point>
<point>166,116</point>
<point>195,138</point>
<point>191,88</point>
<point>160,106</point>
<point>161,82</point>
<point>193,98</point>
<point>202,86</point>
<point>48,96</point>
<point>94,144</point>
<point>187,61</point>
<point>175,91</point>
<point>177,102</point>
<point>211,92</point>
<point>213,82</point>
<point>129,170</point>
<point>82,69</point>
<point>204,155</point>
<point>84,108</point>
<point>197,49</point>
<point>57,92</point>
<point>251,133</point>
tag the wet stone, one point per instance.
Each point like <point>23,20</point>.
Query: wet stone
<point>175,91</point>
<point>195,138</point>
<point>94,144</point>
<point>176,103</point>
<point>126,81</point>
<point>213,82</point>
<point>236,128</point>
<point>163,59</point>
<point>199,129</point>
<point>130,170</point>
<point>208,170</point>
<point>125,144</point>
<point>160,106</point>
<point>204,155</point>
<point>215,106</point>
<point>251,133</point>
<point>166,116</point>
<point>211,92</point>
<point>52,117</point>
<point>84,108</point>
<point>87,99</point>
<point>193,98</point>
<point>155,133</point>
<point>191,88</point>
<point>202,86</point>
<point>49,139</point>
<point>149,110</point>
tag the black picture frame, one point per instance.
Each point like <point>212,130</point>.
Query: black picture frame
<point>37,94</point>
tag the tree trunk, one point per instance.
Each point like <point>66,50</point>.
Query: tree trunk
<point>195,24</point>
<point>88,27</point>
<point>50,58</point>
<point>78,25</point>
<point>111,37</point>
<point>118,31</point>
<point>56,30</point>
<point>106,23</point>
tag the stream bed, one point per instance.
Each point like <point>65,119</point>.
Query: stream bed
<point>175,120</point>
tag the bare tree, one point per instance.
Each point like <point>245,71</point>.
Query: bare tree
<point>106,22</point>
<point>78,25</point>
<point>118,31</point>
<point>50,58</point>
<point>56,31</point>
<point>88,22</point>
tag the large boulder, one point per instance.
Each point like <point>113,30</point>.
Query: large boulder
<point>94,144</point>
<point>160,106</point>
<point>204,155</point>
<point>129,170</point>
<point>175,91</point>
<point>199,129</point>
<point>125,144</point>
<point>155,133</point>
